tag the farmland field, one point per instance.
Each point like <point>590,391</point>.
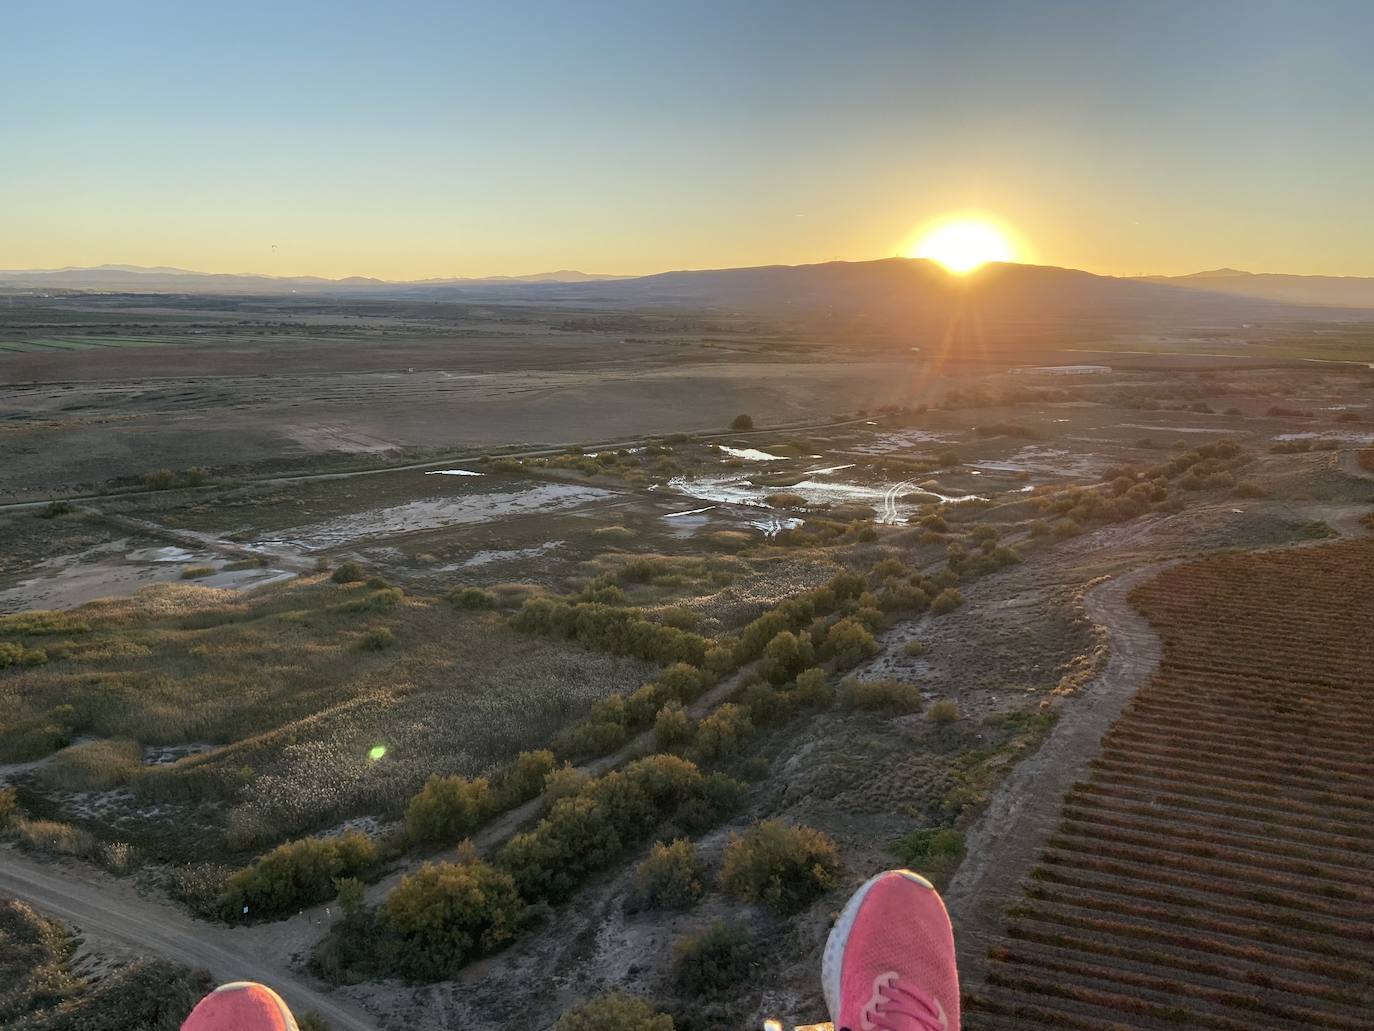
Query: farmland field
<point>1214,870</point>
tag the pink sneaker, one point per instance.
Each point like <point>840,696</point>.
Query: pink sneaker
<point>889,962</point>
<point>241,1006</point>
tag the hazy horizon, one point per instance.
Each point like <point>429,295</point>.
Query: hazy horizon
<point>425,142</point>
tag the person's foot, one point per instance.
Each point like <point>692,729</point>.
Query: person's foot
<point>889,962</point>
<point>241,1006</point>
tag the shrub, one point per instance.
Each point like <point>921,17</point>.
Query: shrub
<point>200,887</point>
<point>615,1012</point>
<point>93,766</point>
<point>672,726</point>
<point>785,499</point>
<point>42,622</point>
<point>472,598</point>
<point>378,639</point>
<point>446,809</point>
<point>349,573</point>
<point>374,601</point>
<point>934,852</point>
<point>887,694</point>
<point>591,738</point>
<point>118,857</point>
<point>9,806</point>
<point>715,960</point>
<point>914,648</point>
<point>944,711</point>
<point>521,780</point>
<point>781,867</point>
<point>742,422</point>
<point>17,655</point>
<point>670,878</point>
<point>848,642</point>
<point>616,630</point>
<point>946,601</point>
<point>51,836</point>
<point>813,688</point>
<point>564,782</point>
<point>724,731</point>
<point>786,655</point>
<point>298,873</point>
<point>1247,489</point>
<point>197,572</point>
<point>448,913</point>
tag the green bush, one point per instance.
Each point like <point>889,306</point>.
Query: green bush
<point>946,601</point>
<point>446,809</point>
<point>946,710</point>
<point>41,622</point>
<point>933,853</point>
<point>564,782</point>
<point>349,573</point>
<point>887,694</point>
<point>786,655</point>
<point>472,598</point>
<point>377,639</point>
<point>848,642</point>
<point>615,1012</point>
<point>716,960</point>
<point>813,688</point>
<point>449,913</point>
<point>741,423</point>
<point>608,628</point>
<point>670,878</point>
<point>672,726</point>
<point>587,831</point>
<point>589,739</point>
<point>914,648</point>
<point>197,572</point>
<point>298,874</point>
<point>781,867</point>
<point>373,601</point>
<point>9,806</point>
<point>12,654</point>
<point>723,732</point>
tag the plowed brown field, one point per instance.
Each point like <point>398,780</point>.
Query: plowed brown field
<point>1216,870</point>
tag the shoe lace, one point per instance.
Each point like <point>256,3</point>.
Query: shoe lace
<point>900,1007</point>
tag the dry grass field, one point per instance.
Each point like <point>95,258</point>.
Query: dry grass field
<point>1214,871</point>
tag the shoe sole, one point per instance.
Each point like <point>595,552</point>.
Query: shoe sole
<point>832,960</point>
<point>288,1018</point>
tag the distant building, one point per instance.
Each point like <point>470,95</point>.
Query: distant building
<point>1060,370</point>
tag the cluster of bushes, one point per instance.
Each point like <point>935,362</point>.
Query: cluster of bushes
<point>933,852</point>
<point>1301,447</point>
<point>42,622</point>
<point>615,1012</point>
<point>615,718</point>
<point>796,614</point>
<point>298,874</point>
<point>373,601</point>
<point>885,695</point>
<point>349,572</point>
<point>448,809</point>
<point>166,479</point>
<point>12,654</point>
<point>615,630</point>
<point>472,598</point>
<point>589,830</point>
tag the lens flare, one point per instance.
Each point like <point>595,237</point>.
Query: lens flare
<point>376,752</point>
<point>962,245</point>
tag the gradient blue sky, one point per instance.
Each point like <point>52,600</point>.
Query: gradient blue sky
<point>407,139</point>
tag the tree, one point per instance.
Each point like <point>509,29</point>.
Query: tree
<point>742,422</point>
<point>446,809</point>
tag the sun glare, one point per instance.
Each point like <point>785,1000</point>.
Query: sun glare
<point>964,245</point>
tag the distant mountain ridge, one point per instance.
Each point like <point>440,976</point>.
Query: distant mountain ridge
<point>167,279</point>
<point>893,292</point>
<point>1332,291</point>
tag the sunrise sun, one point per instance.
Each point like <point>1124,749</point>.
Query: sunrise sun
<point>963,245</point>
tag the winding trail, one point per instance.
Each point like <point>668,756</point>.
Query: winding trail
<point>104,910</point>
<point>1017,823</point>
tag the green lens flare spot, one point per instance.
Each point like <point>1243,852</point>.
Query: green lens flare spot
<point>376,752</point>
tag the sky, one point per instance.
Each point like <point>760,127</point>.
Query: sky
<point>417,138</point>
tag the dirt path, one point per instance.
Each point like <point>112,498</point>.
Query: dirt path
<point>108,912</point>
<point>1023,814</point>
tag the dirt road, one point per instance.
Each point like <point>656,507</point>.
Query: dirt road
<point>108,912</point>
<point>1023,814</point>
